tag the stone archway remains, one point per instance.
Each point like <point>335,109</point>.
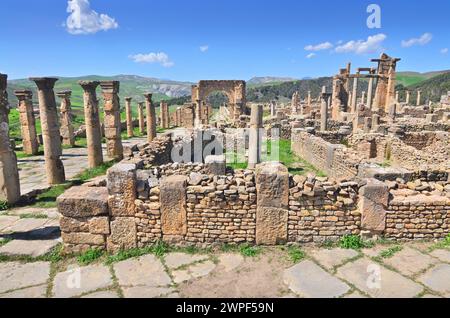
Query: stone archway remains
<point>235,90</point>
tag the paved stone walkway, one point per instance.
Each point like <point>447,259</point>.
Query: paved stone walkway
<point>412,271</point>
<point>32,169</point>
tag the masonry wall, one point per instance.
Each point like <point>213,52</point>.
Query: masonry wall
<point>337,161</point>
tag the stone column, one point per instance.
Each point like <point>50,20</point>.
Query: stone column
<point>164,108</point>
<point>151,118</point>
<point>27,122</point>
<point>367,121</point>
<point>92,121</point>
<point>324,112</point>
<point>363,98</point>
<point>9,175</point>
<point>141,118</point>
<point>375,122</point>
<point>408,97</point>
<point>370,94</point>
<point>309,100</point>
<point>419,102</point>
<point>273,108</point>
<point>390,97</point>
<point>255,141</point>
<point>129,114</point>
<point>198,113</point>
<point>66,118</point>
<point>113,124</point>
<point>354,94</point>
<point>397,96</point>
<point>50,130</point>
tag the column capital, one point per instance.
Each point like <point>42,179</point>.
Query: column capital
<point>128,99</point>
<point>111,87</point>
<point>64,94</point>
<point>89,85</point>
<point>148,96</point>
<point>44,82</point>
<point>23,94</point>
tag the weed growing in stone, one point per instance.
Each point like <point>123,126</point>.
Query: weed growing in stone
<point>296,254</point>
<point>391,251</point>
<point>90,256</point>
<point>354,242</point>
<point>249,251</point>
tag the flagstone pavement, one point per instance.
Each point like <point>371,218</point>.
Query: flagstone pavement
<point>414,270</point>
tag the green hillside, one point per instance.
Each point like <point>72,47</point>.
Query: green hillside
<point>414,78</point>
<point>434,87</point>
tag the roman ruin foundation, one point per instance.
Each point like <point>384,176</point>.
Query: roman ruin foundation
<point>9,175</point>
<point>112,121</point>
<point>50,130</point>
<point>92,121</point>
<point>67,131</point>
<point>27,122</point>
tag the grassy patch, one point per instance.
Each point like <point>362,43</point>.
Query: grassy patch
<point>295,254</point>
<point>354,242</point>
<point>48,198</point>
<point>445,243</point>
<point>4,205</point>
<point>5,241</point>
<point>95,172</point>
<point>249,251</point>
<point>391,251</point>
<point>33,216</point>
<point>89,256</point>
<point>159,249</point>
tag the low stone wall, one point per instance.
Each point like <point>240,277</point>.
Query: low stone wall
<point>337,161</point>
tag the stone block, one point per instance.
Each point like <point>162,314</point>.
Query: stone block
<point>121,178</point>
<point>79,202</point>
<point>272,184</point>
<point>69,225</point>
<point>99,225</point>
<point>216,165</point>
<point>83,238</point>
<point>271,226</point>
<point>173,205</point>
<point>374,197</point>
<point>123,235</point>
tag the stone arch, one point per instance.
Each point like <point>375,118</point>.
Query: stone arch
<point>235,90</point>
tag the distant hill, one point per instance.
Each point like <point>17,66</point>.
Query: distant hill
<point>412,78</point>
<point>256,81</point>
<point>434,87</point>
<point>130,86</point>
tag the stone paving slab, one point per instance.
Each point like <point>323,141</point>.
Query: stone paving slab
<point>31,292</point>
<point>309,280</point>
<point>51,213</point>
<point>81,280</point>
<point>25,225</point>
<point>442,255</point>
<point>332,258</point>
<point>7,221</point>
<point>437,278</point>
<point>409,261</point>
<point>377,281</point>
<point>143,271</point>
<point>15,275</point>
<point>177,260</point>
<point>230,262</point>
<point>28,248</point>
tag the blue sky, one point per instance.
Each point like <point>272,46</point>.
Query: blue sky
<point>212,39</point>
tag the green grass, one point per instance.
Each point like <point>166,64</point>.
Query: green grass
<point>354,242</point>
<point>48,198</point>
<point>158,249</point>
<point>295,254</point>
<point>4,205</point>
<point>249,251</point>
<point>33,216</point>
<point>90,256</point>
<point>391,251</point>
<point>95,172</point>
<point>445,243</point>
<point>5,241</point>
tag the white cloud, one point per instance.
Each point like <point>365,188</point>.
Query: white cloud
<point>204,48</point>
<point>444,51</point>
<point>161,58</point>
<point>84,20</point>
<point>310,55</point>
<point>422,40</point>
<point>371,45</point>
<point>319,47</point>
